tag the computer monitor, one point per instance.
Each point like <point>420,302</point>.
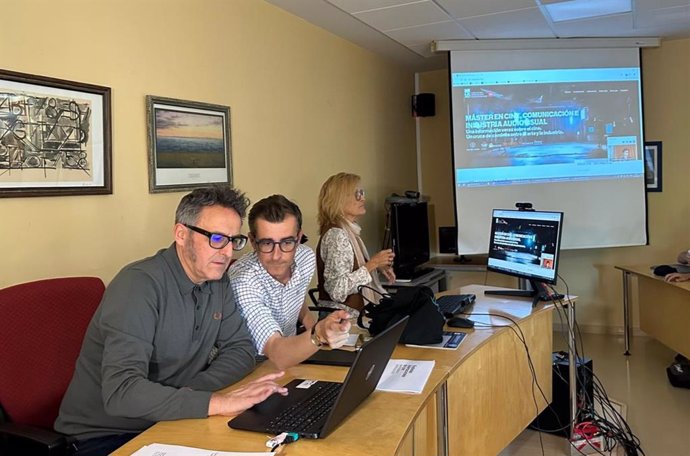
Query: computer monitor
<point>410,236</point>
<point>526,244</point>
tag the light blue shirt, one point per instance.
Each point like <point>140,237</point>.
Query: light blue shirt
<point>269,306</point>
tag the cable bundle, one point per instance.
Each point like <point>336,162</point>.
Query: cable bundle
<point>609,422</point>
<point>608,426</point>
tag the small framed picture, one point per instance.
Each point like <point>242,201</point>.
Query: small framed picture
<point>189,144</point>
<point>54,137</point>
<point>652,165</point>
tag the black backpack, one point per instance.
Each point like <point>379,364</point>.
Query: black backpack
<point>425,325</point>
<point>679,372</point>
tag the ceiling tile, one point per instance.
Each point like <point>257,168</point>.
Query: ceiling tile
<point>646,5</point>
<point>424,50</point>
<point>404,16</point>
<point>384,25</point>
<point>424,34</point>
<point>678,30</point>
<point>663,16</point>
<point>469,8</point>
<point>357,6</point>
<point>515,24</point>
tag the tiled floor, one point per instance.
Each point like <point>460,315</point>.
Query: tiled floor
<point>657,413</point>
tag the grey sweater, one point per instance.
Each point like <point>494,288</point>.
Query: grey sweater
<point>153,352</point>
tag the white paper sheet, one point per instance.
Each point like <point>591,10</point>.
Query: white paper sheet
<point>160,449</point>
<point>405,376</point>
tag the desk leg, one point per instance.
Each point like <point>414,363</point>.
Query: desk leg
<point>626,311</point>
<point>442,419</point>
<point>443,282</point>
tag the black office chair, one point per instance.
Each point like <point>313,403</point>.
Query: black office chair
<point>323,311</point>
<point>314,297</point>
<point>316,307</point>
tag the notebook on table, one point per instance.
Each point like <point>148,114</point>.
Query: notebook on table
<point>332,358</point>
<point>344,356</point>
<point>313,408</point>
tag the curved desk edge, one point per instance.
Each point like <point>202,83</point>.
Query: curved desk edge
<point>483,385</point>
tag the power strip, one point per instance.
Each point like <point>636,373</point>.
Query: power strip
<point>581,445</point>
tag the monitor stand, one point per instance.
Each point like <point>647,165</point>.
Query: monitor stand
<point>462,259</point>
<point>540,292</point>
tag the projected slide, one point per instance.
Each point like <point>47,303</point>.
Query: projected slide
<point>541,126</point>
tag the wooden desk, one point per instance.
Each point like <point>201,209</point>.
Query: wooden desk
<point>475,263</point>
<point>664,308</point>
<point>477,400</point>
<point>435,279</point>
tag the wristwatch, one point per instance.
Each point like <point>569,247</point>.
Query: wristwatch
<point>315,338</point>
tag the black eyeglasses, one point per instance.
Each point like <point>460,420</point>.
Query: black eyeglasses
<point>359,194</point>
<point>219,240</point>
<point>286,245</point>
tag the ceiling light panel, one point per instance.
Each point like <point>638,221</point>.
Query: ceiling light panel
<point>581,9</point>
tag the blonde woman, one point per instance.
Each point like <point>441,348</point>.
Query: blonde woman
<point>342,260</point>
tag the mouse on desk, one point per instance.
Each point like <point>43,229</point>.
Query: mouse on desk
<point>460,322</point>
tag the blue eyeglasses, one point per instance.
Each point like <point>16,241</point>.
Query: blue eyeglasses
<point>218,240</point>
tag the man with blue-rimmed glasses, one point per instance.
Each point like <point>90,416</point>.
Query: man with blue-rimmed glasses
<point>167,334</point>
<point>271,283</point>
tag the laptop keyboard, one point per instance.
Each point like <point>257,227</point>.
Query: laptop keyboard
<point>308,415</point>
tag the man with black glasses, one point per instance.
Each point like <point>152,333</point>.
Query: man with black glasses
<point>166,335</point>
<point>271,284</point>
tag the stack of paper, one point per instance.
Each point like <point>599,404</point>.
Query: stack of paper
<point>405,376</point>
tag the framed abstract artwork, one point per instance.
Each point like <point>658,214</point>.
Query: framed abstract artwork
<point>189,144</point>
<point>55,137</point>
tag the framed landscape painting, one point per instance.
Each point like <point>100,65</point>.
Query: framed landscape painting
<point>189,144</point>
<point>652,166</point>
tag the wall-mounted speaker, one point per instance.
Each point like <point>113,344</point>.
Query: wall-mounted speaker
<point>424,105</point>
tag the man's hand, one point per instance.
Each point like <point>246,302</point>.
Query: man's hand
<point>676,277</point>
<point>246,396</point>
<point>334,329</point>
